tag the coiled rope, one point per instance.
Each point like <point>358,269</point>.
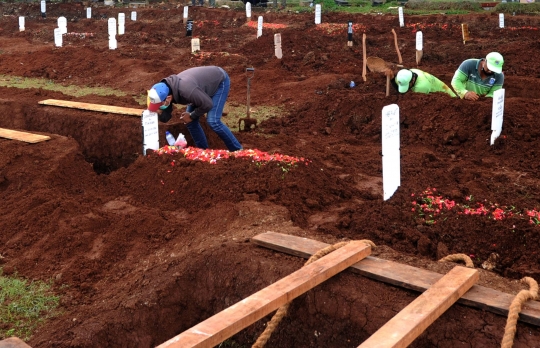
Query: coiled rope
<point>515,307</point>
<point>282,311</point>
<point>458,257</point>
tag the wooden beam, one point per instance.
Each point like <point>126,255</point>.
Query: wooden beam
<point>13,342</point>
<point>413,320</point>
<point>404,276</point>
<point>93,107</point>
<point>228,322</point>
<point>22,136</point>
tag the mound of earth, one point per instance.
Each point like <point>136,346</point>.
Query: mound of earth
<point>141,248</point>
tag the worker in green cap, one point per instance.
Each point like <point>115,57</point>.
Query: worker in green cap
<point>419,81</point>
<point>479,77</point>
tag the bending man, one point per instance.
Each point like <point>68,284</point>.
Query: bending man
<point>204,90</point>
<point>420,82</point>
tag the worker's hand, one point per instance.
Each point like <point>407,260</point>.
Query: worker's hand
<point>471,96</point>
<point>185,117</point>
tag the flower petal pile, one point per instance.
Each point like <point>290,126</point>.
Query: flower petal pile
<point>429,206</point>
<point>212,156</point>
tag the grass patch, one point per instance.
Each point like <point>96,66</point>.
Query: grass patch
<point>75,91</point>
<point>24,305</point>
<point>260,113</point>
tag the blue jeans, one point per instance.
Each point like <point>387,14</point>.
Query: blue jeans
<point>213,117</point>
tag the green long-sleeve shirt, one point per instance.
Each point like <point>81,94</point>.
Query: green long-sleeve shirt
<point>467,78</point>
<point>427,83</point>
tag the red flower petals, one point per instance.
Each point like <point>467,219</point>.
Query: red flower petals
<point>212,156</point>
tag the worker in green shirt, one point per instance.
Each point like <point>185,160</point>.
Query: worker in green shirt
<point>479,77</point>
<point>420,82</point>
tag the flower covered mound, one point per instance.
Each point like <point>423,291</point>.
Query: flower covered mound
<point>212,156</point>
<point>430,206</point>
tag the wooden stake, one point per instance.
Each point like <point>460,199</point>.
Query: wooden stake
<point>419,55</point>
<point>414,319</point>
<point>364,53</point>
<point>397,48</point>
<point>465,32</point>
<point>93,107</point>
<point>231,320</point>
<point>387,85</point>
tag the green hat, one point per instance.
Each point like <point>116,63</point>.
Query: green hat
<point>403,78</point>
<point>495,62</point>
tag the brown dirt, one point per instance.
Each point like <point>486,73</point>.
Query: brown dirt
<point>136,264</point>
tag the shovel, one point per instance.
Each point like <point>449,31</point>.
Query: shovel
<point>248,121</point>
<point>376,64</point>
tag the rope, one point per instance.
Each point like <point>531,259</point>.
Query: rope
<point>458,257</point>
<point>515,307</point>
<point>282,311</point>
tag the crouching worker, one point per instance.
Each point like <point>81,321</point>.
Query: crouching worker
<point>204,90</point>
<point>479,77</point>
<point>419,81</point>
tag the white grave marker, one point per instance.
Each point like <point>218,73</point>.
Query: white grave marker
<point>419,41</point>
<point>390,150</point>
<point>113,44</point>
<point>58,37</point>
<point>88,12</point>
<point>277,44</point>
<point>121,23</point>
<point>259,26</point>
<point>112,26</point>
<point>62,24</point>
<point>248,11</point>
<point>21,23</point>
<point>318,14</point>
<point>186,13</point>
<point>150,131</point>
<point>400,14</point>
<point>43,7</point>
<point>133,16</point>
<point>195,45</point>
<point>419,46</point>
<point>497,114</point>
<point>501,20</point>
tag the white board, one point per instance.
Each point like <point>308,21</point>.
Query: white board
<point>501,20</point>
<point>318,14</point>
<point>21,23</point>
<point>277,46</point>
<point>88,12</point>
<point>497,114</point>
<point>390,150</point>
<point>419,41</point>
<point>259,26</point>
<point>400,14</point>
<point>248,9</point>
<point>150,128</point>
<point>195,45</point>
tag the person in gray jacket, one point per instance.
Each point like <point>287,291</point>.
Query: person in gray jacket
<point>204,90</point>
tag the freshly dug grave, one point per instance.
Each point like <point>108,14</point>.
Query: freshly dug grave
<point>143,247</point>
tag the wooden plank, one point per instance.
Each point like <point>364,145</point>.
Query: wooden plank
<point>93,107</point>
<point>22,136</point>
<point>404,276</point>
<point>228,322</point>
<point>13,342</point>
<point>413,320</point>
